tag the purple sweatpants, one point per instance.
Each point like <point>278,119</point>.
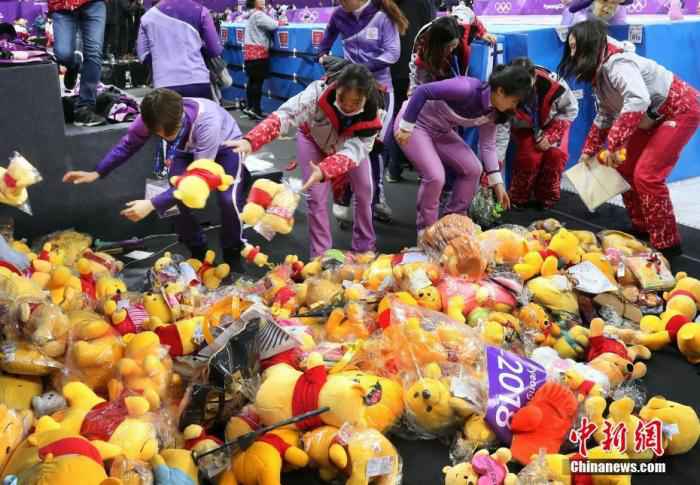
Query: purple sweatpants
<point>430,153</point>
<point>230,201</point>
<point>363,238</point>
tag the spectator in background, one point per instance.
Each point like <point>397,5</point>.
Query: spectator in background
<point>88,18</point>
<point>418,13</point>
<point>256,54</point>
<point>174,37</point>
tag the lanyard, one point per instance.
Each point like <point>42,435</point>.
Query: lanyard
<point>172,147</point>
<point>454,65</point>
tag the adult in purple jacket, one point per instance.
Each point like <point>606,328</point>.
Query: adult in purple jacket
<point>194,128</point>
<point>174,37</point>
<point>370,30</point>
<point>426,126</point>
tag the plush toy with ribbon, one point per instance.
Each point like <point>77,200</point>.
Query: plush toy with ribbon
<point>202,176</point>
<point>15,179</point>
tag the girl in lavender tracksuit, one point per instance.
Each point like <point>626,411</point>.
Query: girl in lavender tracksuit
<point>173,37</point>
<point>194,128</point>
<point>426,126</point>
<point>370,32</point>
<point>256,53</point>
<point>337,126</point>
<point>643,108</point>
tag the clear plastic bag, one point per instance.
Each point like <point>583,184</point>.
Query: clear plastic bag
<point>271,206</point>
<point>14,181</point>
<point>70,243</point>
<point>435,238</point>
<point>485,210</point>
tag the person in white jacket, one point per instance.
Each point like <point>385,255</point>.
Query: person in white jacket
<point>256,54</point>
<point>337,123</point>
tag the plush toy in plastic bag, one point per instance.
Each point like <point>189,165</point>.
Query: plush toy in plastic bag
<point>485,210</point>
<point>14,181</point>
<point>435,238</point>
<point>270,207</point>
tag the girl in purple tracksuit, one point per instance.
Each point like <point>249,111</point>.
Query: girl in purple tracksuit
<point>370,30</point>
<point>425,129</point>
<point>338,124</point>
<point>173,36</point>
<point>195,129</point>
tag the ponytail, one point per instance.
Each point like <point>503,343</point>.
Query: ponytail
<point>395,14</point>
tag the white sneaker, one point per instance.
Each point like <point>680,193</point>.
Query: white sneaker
<point>342,212</point>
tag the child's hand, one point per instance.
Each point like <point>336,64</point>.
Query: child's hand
<point>315,177</point>
<point>502,196</point>
<point>80,177</point>
<point>137,210</point>
<point>402,136</point>
<point>490,38</point>
<point>242,147</point>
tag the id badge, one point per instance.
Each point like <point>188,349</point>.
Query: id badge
<point>156,187</point>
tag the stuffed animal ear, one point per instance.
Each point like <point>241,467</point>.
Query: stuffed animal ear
<point>597,325</point>
<point>178,195</point>
<point>640,370</point>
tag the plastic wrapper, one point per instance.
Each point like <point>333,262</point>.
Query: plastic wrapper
<point>270,207</point>
<point>554,292</point>
<point>42,324</point>
<point>652,272</point>
<point>537,472</point>
<point>370,456</point>
<point>485,210</point>
<point>589,279</point>
<point>625,244</point>
<point>435,238</point>
<point>484,294</point>
<point>549,226</point>
<point>131,472</point>
<point>101,263</point>
<point>22,358</point>
<point>18,261</point>
<point>14,181</point>
<point>557,368</point>
<point>504,245</point>
<point>463,257</point>
<point>171,268</point>
<point>69,242</point>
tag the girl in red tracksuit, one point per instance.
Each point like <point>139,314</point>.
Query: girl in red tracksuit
<point>541,132</point>
<point>646,115</point>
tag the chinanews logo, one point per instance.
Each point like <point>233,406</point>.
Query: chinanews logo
<point>283,38</point>
<point>316,37</point>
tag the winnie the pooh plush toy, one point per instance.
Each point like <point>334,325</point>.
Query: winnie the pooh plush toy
<point>554,293</point>
<point>175,467</point>
<point>685,296</point>
<point>535,319</point>
<point>208,273</point>
<point>15,179</point>
<point>260,198</point>
<point>483,468</point>
<point>287,392</point>
<point>347,324</point>
<point>682,427</point>
<point>127,313</point>
<point>15,426</point>
<point>183,337</point>
<point>17,392</point>
<point>253,255</point>
<point>44,325</point>
<point>383,415</point>
<point>146,367</point>
<point>96,350</point>
<point>620,411</point>
<point>202,176</point>
<point>503,246</point>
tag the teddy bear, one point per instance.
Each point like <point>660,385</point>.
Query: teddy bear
<point>96,349</point>
<point>566,246</point>
<point>279,217</point>
<point>71,245</point>
<point>208,273</point>
<point>286,392</point>
<point>120,424</point>
<point>622,242</point>
<point>174,467</point>
<point>483,469</point>
<point>554,293</point>
<point>146,367</point>
<point>501,328</point>
<point>572,343</point>
<point>378,272</point>
<point>384,414</point>
<point>535,319</point>
<point>25,359</point>
<point>17,392</point>
<point>582,387</point>
<point>44,325</point>
<point>201,177</point>
<point>126,312</point>
<point>15,179</point>
<point>543,422</point>
<point>534,264</point>
<point>416,277</point>
<point>430,404</point>
<point>351,451</point>
<point>613,358</point>
<point>260,198</point>
<point>620,411</point>
<point>253,255</point>
<point>462,257</point>
<point>15,427</point>
<point>347,324</point>
<point>100,263</point>
<point>198,441</point>
<point>680,422</point>
<point>157,307</point>
<point>684,297</point>
<point>183,337</point>
<point>263,461</point>
<point>503,246</point>
<point>485,293</point>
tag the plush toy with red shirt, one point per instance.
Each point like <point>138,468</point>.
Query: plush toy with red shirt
<point>202,176</point>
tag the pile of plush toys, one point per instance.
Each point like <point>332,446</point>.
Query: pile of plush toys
<point>501,341</point>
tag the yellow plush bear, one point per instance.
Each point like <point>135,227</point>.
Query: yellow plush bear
<point>259,199</point>
<point>503,246</point>
<point>572,343</point>
<point>567,246</point>
<point>683,426</point>
<point>146,367</point>
<point>175,467</point>
<point>15,425</point>
<point>279,217</point>
<point>23,358</point>
<point>182,337</point>
<point>377,272</point>
<point>157,307</point>
<point>202,176</point>
<point>384,414</point>
<point>17,392</point>
<point>500,328</point>
<point>99,263</point>
<point>535,318</point>
<point>253,255</point>
<point>262,462</point>
<point>287,392</point>
<point>627,244</point>
<point>554,293</point>
<point>96,349</point>
<point>430,403</point>
<point>208,273</point>
<point>44,325</point>
<point>533,264</point>
<point>120,425</point>
<point>493,467</point>
<point>15,179</point>
<point>685,296</point>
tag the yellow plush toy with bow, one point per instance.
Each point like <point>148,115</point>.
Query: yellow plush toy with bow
<point>15,179</point>
<point>202,176</point>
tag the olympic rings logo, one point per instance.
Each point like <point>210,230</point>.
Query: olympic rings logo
<point>637,6</point>
<point>502,7</point>
<point>309,17</point>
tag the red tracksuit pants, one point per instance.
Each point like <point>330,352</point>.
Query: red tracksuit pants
<point>651,156</point>
<point>536,172</point>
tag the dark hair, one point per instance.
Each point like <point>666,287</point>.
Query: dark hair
<point>440,33</point>
<point>525,62</point>
<point>162,109</point>
<point>395,14</point>
<point>359,78</point>
<point>250,4</point>
<point>591,40</point>
<point>513,80</point>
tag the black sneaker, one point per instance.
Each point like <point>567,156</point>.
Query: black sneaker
<point>71,76</point>
<point>84,116</point>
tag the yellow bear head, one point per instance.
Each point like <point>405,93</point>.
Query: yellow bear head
<point>681,423</point>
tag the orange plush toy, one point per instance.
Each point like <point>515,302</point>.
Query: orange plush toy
<point>544,422</point>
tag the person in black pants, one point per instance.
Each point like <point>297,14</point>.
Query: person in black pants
<point>256,54</point>
<point>418,13</point>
